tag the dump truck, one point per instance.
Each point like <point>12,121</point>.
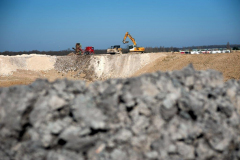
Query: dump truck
<point>89,50</point>
<point>133,48</point>
<point>116,49</point>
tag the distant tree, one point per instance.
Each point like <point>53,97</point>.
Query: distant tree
<point>164,49</point>
<point>228,46</point>
<point>235,48</point>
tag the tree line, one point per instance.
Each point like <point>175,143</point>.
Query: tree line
<point>124,50</point>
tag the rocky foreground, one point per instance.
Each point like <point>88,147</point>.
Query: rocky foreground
<point>185,114</point>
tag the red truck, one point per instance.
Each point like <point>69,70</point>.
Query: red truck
<point>89,50</point>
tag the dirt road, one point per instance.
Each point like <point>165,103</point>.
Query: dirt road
<point>102,67</point>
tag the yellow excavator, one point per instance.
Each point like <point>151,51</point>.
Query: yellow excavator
<point>133,48</point>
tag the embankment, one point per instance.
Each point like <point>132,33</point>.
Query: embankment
<point>89,68</point>
<point>33,62</point>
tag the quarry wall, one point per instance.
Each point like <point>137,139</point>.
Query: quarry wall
<point>94,66</point>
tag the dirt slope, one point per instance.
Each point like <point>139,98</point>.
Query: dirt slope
<point>24,69</point>
<point>227,63</point>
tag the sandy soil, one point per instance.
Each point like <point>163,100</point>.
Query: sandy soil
<point>23,77</point>
<point>228,64</point>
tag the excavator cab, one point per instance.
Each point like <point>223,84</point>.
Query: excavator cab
<point>130,47</point>
<point>116,46</point>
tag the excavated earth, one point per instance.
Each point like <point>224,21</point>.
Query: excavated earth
<point>25,69</point>
<point>177,115</point>
<point>185,114</point>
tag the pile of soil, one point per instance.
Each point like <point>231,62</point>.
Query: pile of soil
<point>227,63</point>
<point>79,64</point>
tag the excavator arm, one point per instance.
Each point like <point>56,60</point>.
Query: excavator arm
<point>130,37</point>
<point>133,48</point>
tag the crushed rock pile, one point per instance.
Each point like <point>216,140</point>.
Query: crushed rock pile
<point>66,63</point>
<point>185,114</point>
<point>79,63</point>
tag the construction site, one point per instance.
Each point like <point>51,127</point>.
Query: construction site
<point>25,69</point>
<point>135,106</point>
<point>119,80</point>
<point>83,64</point>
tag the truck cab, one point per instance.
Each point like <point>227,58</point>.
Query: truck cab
<point>89,50</point>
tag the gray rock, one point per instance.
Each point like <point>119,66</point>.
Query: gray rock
<point>185,151</point>
<point>124,135</point>
<point>151,155</point>
<point>56,102</point>
<point>70,133</point>
<point>203,151</point>
<point>84,108</point>
<point>143,109</point>
<point>185,114</point>
<point>140,124</point>
<point>118,155</point>
<point>128,99</point>
<point>46,140</point>
<point>63,155</point>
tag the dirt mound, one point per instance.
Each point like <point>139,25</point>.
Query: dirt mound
<point>72,54</point>
<point>184,114</point>
<point>31,62</point>
<point>227,63</point>
<point>80,64</point>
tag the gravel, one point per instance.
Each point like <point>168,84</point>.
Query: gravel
<point>80,64</point>
<point>185,114</point>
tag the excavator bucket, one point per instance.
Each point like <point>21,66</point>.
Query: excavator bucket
<point>125,41</point>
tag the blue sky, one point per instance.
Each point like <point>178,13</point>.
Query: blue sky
<point>58,24</point>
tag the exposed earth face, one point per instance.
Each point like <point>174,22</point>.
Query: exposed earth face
<point>186,114</point>
<point>24,69</point>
